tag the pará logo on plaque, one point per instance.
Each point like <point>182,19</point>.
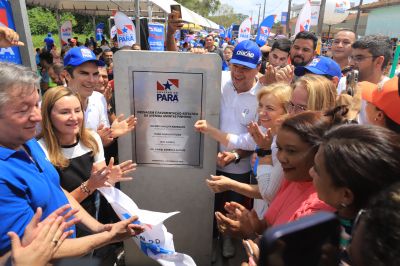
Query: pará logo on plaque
<point>168,91</point>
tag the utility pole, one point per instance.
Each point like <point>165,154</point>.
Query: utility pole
<point>358,17</point>
<point>321,17</point>
<point>137,20</point>
<point>258,20</point>
<point>263,17</point>
<point>288,18</point>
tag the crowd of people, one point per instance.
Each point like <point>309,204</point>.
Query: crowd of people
<point>299,133</point>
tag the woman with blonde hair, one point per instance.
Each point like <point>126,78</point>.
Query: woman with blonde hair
<point>76,152</point>
<point>312,93</point>
<point>272,103</point>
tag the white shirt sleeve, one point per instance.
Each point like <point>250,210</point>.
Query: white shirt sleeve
<point>243,141</point>
<point>42,144</point>
<point>270,177</point>
<point>99,157</point>
<point>269,180</point>
<point>104,116</point>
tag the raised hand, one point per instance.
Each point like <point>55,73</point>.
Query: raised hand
<point>9,37</point>
<point>117,172</point>
<point>42,248</point>
<point>121,126</point>
<point>174,22</point>
<point>247,223</point>
<point>219,183</point>
<point>105,134</point>
<point>224,158</point>
<point>124,229</point>
<point>33,228</point>
<point>202,126</point>
<point>98,178</point>
<point>263,141</point>
<point>285,74</point>
<point>269,77</point>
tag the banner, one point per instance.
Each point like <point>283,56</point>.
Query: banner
<point>9,54</point>
<point>229,32</point>
<point>314,15</point>
<point>336,11</point>
<point>222,32</point>
<point>156,36</point>
<point>113,32</point>
<point>66,32</point>
<point>304,20</point>
<point>177,35</point>
<point>244,30</point>
<point>125,30</point>
<point>156,242</point>
<point>264,30</point>
<point>99,31</point>
<point>283,18</point>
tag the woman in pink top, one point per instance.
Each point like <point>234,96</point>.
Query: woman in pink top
<point>297,142</point>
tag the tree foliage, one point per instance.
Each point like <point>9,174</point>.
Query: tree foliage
<point>202,7</point>
<point>42,21</point>
<point>226,16</point>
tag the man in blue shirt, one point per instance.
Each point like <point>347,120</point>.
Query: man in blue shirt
<point>49,42</point>
<point>27,178</point>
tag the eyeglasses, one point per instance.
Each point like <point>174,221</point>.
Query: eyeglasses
<point>359,58</point>
<point>295,108</point>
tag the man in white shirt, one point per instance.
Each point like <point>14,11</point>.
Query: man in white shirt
<point>238,109</point>
<point>82,76</point>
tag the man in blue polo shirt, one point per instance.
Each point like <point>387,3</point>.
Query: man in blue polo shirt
<point>27,178</point>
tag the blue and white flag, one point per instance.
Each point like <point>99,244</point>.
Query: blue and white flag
<point>304,19</point>
<point>222,32</point>
<point>284,18</point>
<point>229,32</point>
<point>126,32</point>
<point>244,30</point>
<point>264,30</point>
<point>156,36</point>
<point>9,54</point>
<point>156,242</point>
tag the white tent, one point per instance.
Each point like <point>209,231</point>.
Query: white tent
<point>148,8</point>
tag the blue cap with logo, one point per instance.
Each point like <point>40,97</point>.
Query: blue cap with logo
<point>78,55</point>
<point>246,53</point>
<point>320,65</point>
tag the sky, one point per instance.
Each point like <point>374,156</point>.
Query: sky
<point>250,7</point>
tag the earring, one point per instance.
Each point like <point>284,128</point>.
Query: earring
<point>343,205</point>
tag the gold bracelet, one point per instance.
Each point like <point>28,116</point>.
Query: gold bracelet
<point>84,188</point>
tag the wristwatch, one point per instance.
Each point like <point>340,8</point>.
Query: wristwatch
<point>237,156</point>
<point>262,152</point>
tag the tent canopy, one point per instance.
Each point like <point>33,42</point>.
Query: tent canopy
<point>159,9</point>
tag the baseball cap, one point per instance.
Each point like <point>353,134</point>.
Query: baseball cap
<point>320,65</point>
<point>79,55</point>
<point>246,53</point>
<point>386,98</point>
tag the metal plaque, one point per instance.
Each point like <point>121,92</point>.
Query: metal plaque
<point>167,104</point>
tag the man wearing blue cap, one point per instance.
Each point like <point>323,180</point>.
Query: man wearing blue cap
<point>82,76</point>
<point>238,109</point>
